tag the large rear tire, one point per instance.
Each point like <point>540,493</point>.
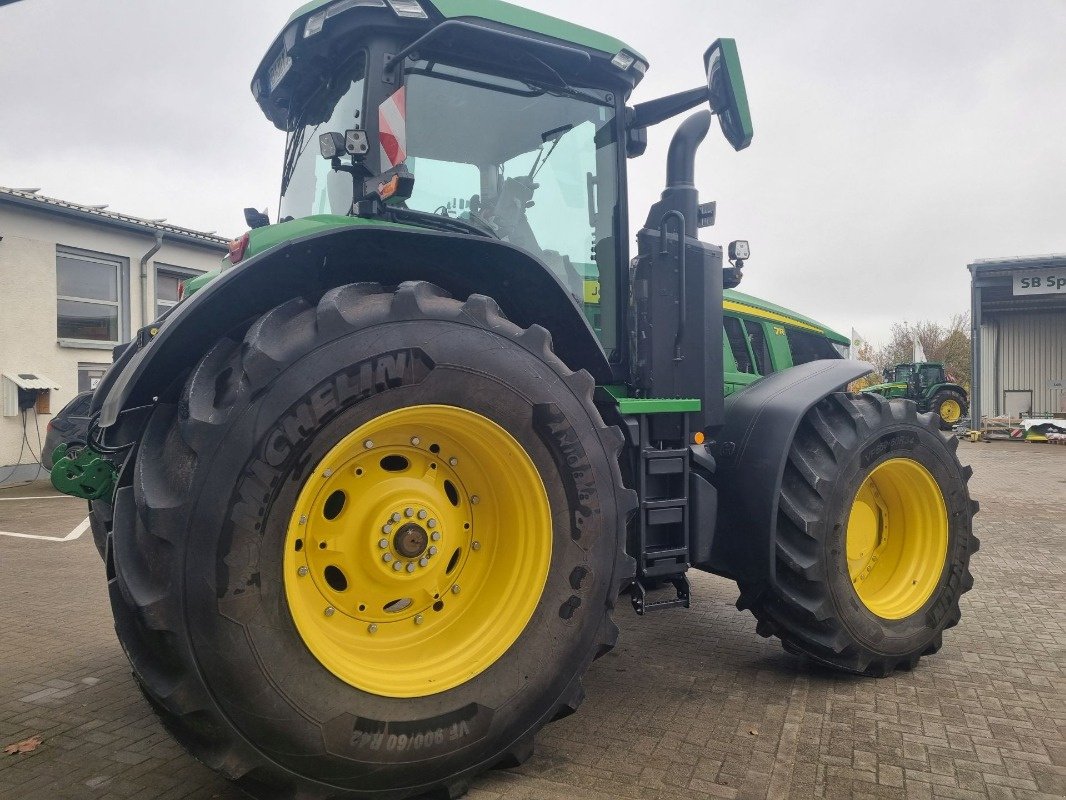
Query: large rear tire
<point>874,538</point>
<point>951,406</point>
<point>254,554</point>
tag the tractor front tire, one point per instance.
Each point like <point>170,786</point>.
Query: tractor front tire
<point>372,548</point>
<point>950,406</point>
<point>874,538</point>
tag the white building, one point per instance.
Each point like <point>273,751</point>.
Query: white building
<point>74,282</point>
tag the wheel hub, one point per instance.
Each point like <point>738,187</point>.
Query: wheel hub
<point>411,540</point>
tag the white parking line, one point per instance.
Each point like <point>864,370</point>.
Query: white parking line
<point>42,497</point>
<point>70,537</point>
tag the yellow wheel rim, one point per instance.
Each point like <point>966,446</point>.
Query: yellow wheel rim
<point>950,410</point>
<point>418,551</point>
<point>897,538</point>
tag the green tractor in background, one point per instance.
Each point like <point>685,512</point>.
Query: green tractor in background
<point>367,497</point>
<point>928,387</point>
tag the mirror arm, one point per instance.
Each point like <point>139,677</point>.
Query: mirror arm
<point>655,111</point>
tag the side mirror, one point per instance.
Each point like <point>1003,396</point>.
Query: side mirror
<point>729,97</point>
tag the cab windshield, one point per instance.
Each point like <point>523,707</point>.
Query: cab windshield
<point>532,166</point>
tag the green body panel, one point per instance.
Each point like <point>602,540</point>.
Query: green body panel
<point>732,295</point>
<point>888,389</point>
<point>516,17</point>
<point>262,239</point>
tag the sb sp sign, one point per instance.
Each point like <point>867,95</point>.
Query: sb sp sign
<point>1040,281</point>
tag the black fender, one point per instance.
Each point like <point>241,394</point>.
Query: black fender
<point>750,454</point>
<point>525,288</point>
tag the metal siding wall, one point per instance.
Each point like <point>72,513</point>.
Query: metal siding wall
<point>1032,352</point>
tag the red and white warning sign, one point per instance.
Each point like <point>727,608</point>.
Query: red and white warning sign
<point>392,124</point>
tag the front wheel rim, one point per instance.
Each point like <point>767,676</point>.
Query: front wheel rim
<point>897,538</point>
<point>418,551</point>
<point>950,410</point>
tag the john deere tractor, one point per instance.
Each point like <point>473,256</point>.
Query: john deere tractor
<point>367,497</point>
<point>929,388</point>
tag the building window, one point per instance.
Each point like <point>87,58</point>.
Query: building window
<point>89,295</point>
<point>89,376</point>
<point>168,279</point>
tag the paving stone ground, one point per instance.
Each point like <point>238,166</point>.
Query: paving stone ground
<point>692,704</point>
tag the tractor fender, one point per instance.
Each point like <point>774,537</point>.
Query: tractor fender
<point>750,453</point>
<point>525,288</point>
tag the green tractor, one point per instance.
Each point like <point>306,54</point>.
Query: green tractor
<point>926,385</point>
<point>368,496</point>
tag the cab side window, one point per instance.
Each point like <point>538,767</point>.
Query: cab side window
<point>760,348</point>
<point>738,343</point>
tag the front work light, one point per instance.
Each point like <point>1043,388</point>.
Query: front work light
<point>408,8</point>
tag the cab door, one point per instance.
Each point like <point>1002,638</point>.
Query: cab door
<point>746,349</point>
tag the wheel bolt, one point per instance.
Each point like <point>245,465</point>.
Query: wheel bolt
<point>303,519</point>
<point>475,500</point>
<point>302,572</point>
<point>368,444</point>
<point>476,546</point>
<point>419,619</point>
<point>432,523</point>
<point>436,536</point>
<point>423,514</point>
<point>453,461</point>
<point>387,530</point>
<point>372,628</point>
<point>384,543</point>
<point>398,566</point>
<point>327,474</point>
<point>424,562</point>
<point>433,551</point>
<point>408,512</point>
<point>387,558</point>
<point>416,441</point>
<point>396,517</point>
<point>330,611</point>
<point>410,567</point>
<point>456,589</point>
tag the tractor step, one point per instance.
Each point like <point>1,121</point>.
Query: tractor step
<point>638,595</point>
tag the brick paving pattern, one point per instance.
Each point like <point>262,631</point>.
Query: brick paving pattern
<point>692,704</point>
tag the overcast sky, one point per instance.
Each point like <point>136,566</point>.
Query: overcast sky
<point>895,142</point>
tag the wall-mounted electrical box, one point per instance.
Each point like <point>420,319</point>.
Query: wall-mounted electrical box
<point>25,390</point>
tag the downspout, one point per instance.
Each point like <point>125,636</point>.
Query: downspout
<point>144,276</point>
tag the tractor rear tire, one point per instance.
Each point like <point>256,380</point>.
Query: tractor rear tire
<point>950,406</point>
<point>229,543</point>
<point>874,538</point>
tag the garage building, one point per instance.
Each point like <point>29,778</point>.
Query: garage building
<point>1018,310</point>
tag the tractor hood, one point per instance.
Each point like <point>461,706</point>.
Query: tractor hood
<point>319,36</point>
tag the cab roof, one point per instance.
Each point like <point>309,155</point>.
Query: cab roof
<point>503,13</point>
<point>757,307</point>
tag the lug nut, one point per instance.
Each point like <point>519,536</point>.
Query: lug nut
<point>302,572</point>
<point>424,562</point>
<point>396,517</point>
<point>387,558</point>
<point>416,441</point>
<point>372,628</point>
<point>384,543</point>
<point>419,619</point>
<point>369,444</point>
<point>433,551</point>
<point>432,523</point>
<point>327,474</point>
<point>408,512</point>
<point>453,461</point>
<point>456,589</point>
<point>436,536</point>
<point>410,567</point>
<point>303,519</point>
<point>330,611</point>
<point>387,529</point>
<point>422,514</point>
<point>476,546</point>
<point>475,500</point>
<point>398,566</point>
